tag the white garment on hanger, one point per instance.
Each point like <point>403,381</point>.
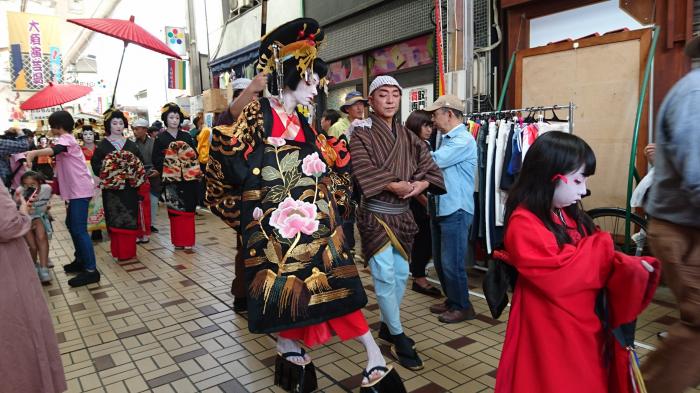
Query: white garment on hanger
<point>500,152</point>
<point>491,148</point>
<point>639,194</point>
<point>553,126</point>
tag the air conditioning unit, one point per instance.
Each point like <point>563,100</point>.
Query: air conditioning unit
<point>238,6</point>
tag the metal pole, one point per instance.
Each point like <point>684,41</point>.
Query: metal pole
<point>114,94</point>
<point>206,23</point>
<point>569,106</point>
<point>469,53</point>
<point>263,19</point>
<point>635,136</point>
<point>504,89</point>
<point>193,52</point>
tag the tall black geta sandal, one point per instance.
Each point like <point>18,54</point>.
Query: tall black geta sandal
<point>292,377</point>
<point>390,382</point>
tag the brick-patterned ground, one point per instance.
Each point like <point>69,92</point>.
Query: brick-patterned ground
<point>164,324</point>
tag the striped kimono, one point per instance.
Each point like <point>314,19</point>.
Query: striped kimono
<point>380,156</point>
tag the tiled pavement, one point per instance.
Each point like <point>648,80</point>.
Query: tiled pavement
<point>164,324</point>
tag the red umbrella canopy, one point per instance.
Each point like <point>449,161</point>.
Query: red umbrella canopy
<point>53,95</point>
<point>127,31</point>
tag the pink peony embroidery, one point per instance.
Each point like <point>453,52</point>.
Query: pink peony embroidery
<point>276,142</point>
<point>257,213</point>
<point>292,217</point>
<point>313,166</point>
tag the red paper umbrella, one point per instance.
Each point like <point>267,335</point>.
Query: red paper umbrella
<point>127,31</point>
<point>53,95</point>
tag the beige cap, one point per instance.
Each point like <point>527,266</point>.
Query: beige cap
<point>447,101</point>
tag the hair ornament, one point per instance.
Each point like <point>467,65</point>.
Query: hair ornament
<point>561,177</point>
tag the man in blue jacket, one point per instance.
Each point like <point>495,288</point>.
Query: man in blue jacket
<point>454,211</point>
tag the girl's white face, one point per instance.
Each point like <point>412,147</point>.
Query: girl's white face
<point>570,189</point>
<point>88,137</point>
<point>43,142</point>
<point>306,91</point>
<point>173,120</point>
<point>116,127</point>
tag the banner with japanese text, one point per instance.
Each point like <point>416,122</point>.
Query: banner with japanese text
<point>177,71</point>
<point>35,54</point>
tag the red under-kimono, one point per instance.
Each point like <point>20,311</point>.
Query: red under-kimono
<point>144,218</point>
<point>554,341</point>
<point>347,326</point>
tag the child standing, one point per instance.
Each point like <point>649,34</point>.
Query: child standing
<point>35,190</point>
<point>554,339</point>
<point>76,187</point>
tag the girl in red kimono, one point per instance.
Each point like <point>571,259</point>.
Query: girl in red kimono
<point>555,341</point>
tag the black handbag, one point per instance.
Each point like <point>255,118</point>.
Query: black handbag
<point>500,277</point>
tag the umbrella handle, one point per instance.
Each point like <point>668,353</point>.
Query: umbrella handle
<point>114,94</point>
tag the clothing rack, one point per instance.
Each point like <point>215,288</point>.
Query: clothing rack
<point>569,107</point>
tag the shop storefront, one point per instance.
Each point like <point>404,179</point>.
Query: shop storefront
<point>240,63</point>
<point>405,51</point>
<point>410,62</point>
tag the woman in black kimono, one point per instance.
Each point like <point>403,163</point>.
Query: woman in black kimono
<point>286,189</point>
<point>118,163</point>
<point>175,158</point>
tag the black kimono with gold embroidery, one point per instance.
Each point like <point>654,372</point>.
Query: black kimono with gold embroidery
<point>288,200</point>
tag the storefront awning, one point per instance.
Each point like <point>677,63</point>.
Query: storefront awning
<point>242,56</point>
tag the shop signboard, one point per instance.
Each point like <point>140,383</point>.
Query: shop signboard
<point>404,55</point>
<point>345,70</point>
<point>175,39</point>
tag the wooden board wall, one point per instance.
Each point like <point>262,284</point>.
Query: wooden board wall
<point>602,77</point>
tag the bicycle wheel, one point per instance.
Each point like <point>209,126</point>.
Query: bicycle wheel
<point>612,219</point>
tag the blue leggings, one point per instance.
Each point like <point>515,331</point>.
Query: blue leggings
<point>390,273</point>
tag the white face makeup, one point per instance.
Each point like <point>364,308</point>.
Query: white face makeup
<point>569,190</point>
<point>306,91</point>
<point>116,127</point>
<point>88,136</point>
<point>173,120</point>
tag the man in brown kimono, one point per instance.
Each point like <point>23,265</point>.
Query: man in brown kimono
<point>391,165</point>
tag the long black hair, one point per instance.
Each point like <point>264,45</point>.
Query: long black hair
<point>552,153</point>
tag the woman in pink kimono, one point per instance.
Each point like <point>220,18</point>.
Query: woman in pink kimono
<point>29,360</point>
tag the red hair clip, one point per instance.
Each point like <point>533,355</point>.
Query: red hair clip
<point>561,177</point>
